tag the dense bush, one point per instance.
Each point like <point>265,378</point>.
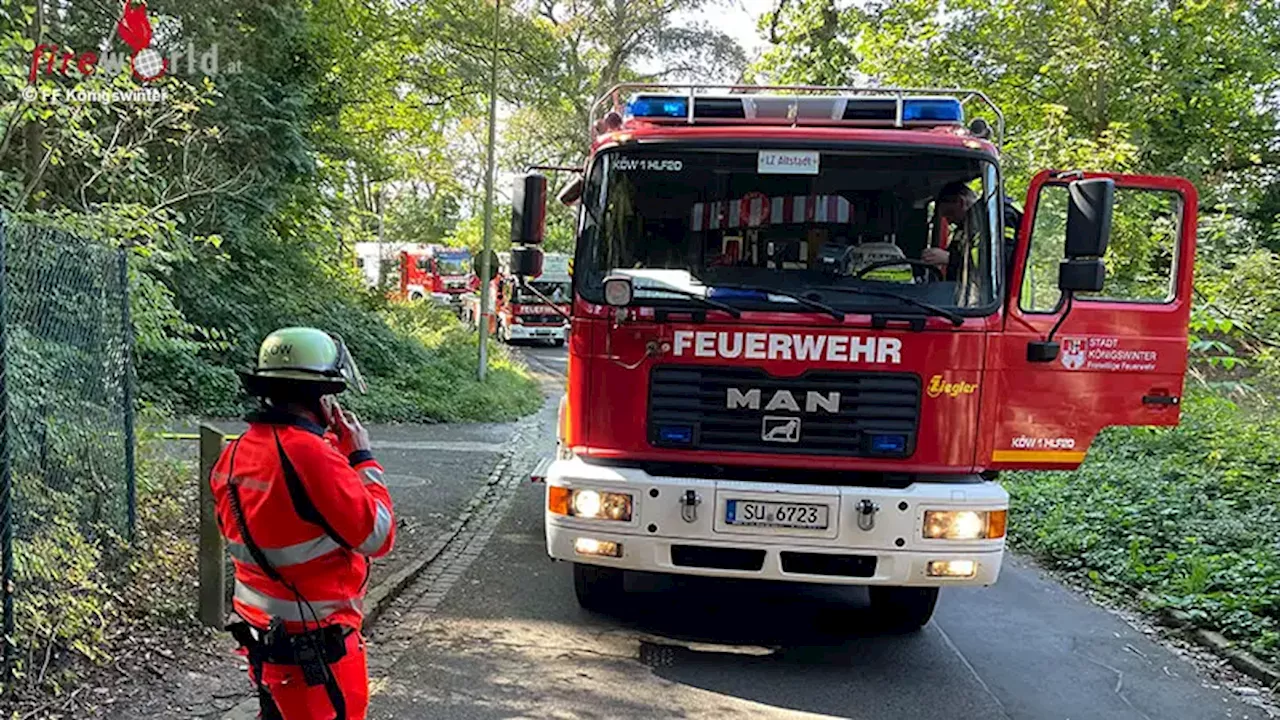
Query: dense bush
<point>1187,515</point>
<point>419,362</point>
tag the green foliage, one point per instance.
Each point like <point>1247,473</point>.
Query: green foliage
<point>441,385</point>
<point>1187,515</point>
<point>78,585</point>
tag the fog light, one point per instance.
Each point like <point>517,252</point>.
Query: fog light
<point>964,524</point>
<point>591,546</point>
<point>952,568</point>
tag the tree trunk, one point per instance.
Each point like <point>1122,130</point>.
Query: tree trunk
<point>33,137</point>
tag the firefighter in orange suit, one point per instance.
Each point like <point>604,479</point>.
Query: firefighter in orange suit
<point>302,504</point>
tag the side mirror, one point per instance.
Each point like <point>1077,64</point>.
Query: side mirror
<point>1089,217</point>
<point>571,193</point>
<point>493,266</point>
<point>618,291</point>
<point>526,261</point>
<point>1081,275</point>
<point>529,210</point>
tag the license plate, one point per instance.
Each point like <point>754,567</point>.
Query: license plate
<point>755,513</point>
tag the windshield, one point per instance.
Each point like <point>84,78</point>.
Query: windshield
<point>453,265</point>
<point>557,292</point>
<point>851,229</point>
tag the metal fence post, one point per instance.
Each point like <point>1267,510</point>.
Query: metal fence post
<point>126,330</point>
<point>212,551</point>
<point>6,471</point>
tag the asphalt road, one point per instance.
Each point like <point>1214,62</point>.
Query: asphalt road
<point>497,634</point>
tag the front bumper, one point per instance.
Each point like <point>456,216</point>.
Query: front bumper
<point>663,536</point>
<point>537,332</point>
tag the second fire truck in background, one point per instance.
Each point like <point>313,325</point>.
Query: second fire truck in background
<point>519,314</point>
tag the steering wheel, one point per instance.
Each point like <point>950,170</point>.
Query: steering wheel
<point>893,263</point>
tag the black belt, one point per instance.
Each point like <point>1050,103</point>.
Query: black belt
<point>328,644</point>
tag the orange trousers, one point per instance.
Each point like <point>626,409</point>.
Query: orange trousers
<point>286,695</point>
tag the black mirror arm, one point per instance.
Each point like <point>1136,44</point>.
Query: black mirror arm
<point>1071,296</point>
<point>1043,351</point>
<point>526,286</point>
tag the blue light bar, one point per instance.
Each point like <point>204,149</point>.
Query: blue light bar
<point>677,434</point>
<point>735,294</point>
<point>889,443</point>
<point>654,106</point>
<point>943,110</point>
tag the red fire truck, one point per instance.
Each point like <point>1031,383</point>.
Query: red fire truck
<point>776,370</point>
<point>526,309</point>
<point>441,273</point>
<point>535,309</point>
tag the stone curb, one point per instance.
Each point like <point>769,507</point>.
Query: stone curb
<point>1242,660</point>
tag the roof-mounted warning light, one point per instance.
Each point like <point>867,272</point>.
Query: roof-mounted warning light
<point>650,106</point>
<point>940,110</point>
<point>796,105</point>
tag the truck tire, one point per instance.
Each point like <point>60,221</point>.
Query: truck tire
<point>902,609</point>
<point>599,589</point>
<point>558,342</point>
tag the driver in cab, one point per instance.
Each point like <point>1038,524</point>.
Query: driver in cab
<point>953,204</point>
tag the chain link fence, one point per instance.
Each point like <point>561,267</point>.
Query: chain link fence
<point>67,475</point>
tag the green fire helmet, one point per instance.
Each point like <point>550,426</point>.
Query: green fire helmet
<point>304,357</point>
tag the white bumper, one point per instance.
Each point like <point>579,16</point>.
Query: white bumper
<point>660,538</point>
<point>537,332</point>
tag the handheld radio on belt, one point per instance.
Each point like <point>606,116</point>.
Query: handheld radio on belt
<point>313,651</point>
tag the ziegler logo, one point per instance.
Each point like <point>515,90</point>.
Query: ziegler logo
<point>939,387</point>
<point>780,429</point>
<point>737,399</point>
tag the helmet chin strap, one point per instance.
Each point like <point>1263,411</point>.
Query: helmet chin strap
<point>315,408</point>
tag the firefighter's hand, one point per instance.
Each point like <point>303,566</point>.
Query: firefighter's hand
<point>351,434</point>
<point>936,257</point>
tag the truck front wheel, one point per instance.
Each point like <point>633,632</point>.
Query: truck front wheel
<point>903,609</point>
<point>599,589</point>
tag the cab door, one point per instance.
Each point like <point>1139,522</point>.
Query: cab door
<point>1122,352</point>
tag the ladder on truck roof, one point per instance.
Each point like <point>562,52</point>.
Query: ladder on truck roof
<point>697,104</point>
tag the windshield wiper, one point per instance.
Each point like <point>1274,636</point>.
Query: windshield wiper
<point>735,312</point>
<point>956,319</point>
<point>809,302</point>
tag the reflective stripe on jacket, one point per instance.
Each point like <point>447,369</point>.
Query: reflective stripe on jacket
<point>317,534</point>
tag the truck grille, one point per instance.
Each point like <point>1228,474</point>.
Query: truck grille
<point>542,319</point>
<point>856,414</point>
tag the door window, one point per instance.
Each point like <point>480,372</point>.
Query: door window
<point>1142,254</point>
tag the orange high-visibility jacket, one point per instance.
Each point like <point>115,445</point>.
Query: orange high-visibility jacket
<point>317,517</point>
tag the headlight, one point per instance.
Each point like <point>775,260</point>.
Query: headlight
<point>964,524</point>
<point>591,504</point>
